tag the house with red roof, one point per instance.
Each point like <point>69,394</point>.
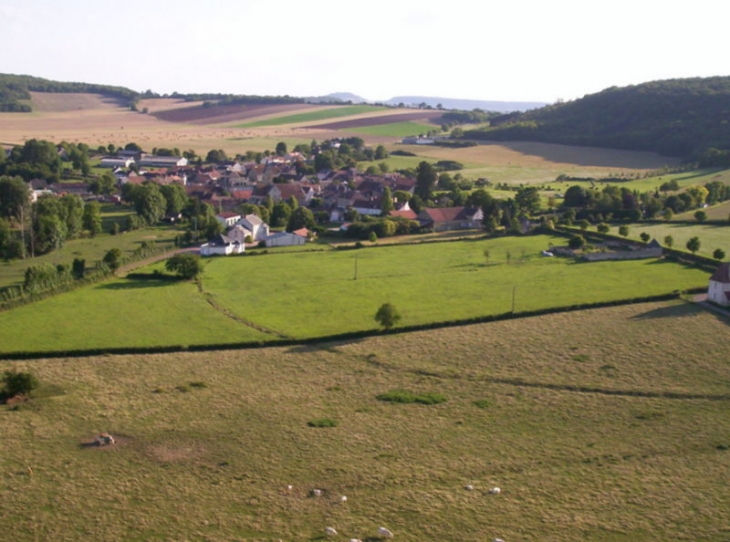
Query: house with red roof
<point>451,218</point>
<point>719,289</point>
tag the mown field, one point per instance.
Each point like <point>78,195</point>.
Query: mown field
<point>604,425</point>
<point>313,294</point>
<point>322,114</point>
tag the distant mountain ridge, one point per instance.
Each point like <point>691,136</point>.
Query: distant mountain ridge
<point>435,102</point>
<point>466,105</point>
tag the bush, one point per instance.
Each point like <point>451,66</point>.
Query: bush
<point>401,396</point>
<point>323,422</point>
<point>482,403</point>
<point>18,383</point>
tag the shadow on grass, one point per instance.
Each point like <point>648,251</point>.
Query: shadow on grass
<point>330,347</point>
<point>674,311</point>
<point>135,284</point>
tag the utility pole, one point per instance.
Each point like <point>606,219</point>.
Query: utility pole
<point>355,268</point>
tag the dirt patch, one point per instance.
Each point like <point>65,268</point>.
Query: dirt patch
<point>382,119</point>
<point>182,453</point>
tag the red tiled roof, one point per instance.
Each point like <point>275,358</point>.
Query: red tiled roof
<point>444,214</point>
<point>409,215</point>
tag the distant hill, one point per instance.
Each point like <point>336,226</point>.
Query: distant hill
<point>15,90</point>
<point>675,117</point>
<point>465,105</point>
<point>343,97</point>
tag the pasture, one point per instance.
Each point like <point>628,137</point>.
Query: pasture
<point>313,294</point>
<point>603,425</point>
<point>711,236</point>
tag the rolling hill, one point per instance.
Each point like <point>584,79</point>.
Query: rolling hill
<point>676,117</point>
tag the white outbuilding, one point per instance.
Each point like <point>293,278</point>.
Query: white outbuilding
<point>719,290</point>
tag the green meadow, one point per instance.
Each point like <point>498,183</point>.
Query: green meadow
<point>601,425</point>
<point>312,294</point>
<point>397,129</point>
<point>321,114</point>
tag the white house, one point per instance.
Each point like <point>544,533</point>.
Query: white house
<point>222,246</point>
<point>284,239</point>
<point>719,290</point>
<point>258,228</point>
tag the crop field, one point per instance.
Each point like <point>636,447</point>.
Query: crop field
<point>312,294</point>
<point>322,113</point>
<point>603,425</point>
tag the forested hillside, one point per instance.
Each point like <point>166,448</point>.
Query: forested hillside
<point>15,90</point>
<point>677,117</point>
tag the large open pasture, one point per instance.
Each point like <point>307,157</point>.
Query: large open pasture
<point>314,294</point>
<point>603,425</point>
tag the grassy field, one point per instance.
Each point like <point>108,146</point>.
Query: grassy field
<point>397,129</point>
<point>207,443</point>
<point>89,249</point>
<point>323,114</point>
<point>310,294</point>
<point>711,236</point>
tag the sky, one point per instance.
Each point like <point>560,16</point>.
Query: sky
<point>511,50</point>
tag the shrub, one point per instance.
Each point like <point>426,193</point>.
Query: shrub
<point>322,422</point>
<point>18,383</point>
<point>407,397</point>
<point>198,384</point>
<point>482,403</point>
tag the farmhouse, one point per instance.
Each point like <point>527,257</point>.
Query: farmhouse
<point>719,290</point>
<point>222,245</point>
<point>227,218</point>
<point>451,218</point>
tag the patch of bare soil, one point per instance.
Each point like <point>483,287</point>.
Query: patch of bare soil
<point>383,119</point>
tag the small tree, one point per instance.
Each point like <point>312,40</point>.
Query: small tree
<point>669,241</point>
<point>486,254</point>
<point>387,316</point>
<point>113,259</point>
<point>645,237</point>
<point>719,254</point>
<point>185,265</point>
<point>623,231</point>
<point>583,224</point>
<point>577,242</point>
<point>668,214</point>
<point>603,227</point>
<point>373,237</point>
<point>700,216</point>
<point>17,383</point>
<point>693,245</point>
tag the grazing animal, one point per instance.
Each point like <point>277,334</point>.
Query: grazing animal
<point>30,471</point>
<point>497,540</point>
<point>343,499</point>
<point>384,533</point>
<point>355,540</point>
<point>316,493</point>
<point>469,487</point>
<point>495,491</point>
<point>329,531</point>
<point>289,487</point>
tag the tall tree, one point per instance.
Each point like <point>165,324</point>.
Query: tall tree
<point>425,181</point>
<point>386,205</point>
<point>301,217</point>
<point>92,218</point>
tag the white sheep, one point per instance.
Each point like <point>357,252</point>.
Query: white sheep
<point>316,493</point>
<point>469,487</point>
<point>355,540</point>
<point>343,499</point>
<point>497,540</point>
<point>495,491</point>
<point>330,531</point>
<point>384,533</point>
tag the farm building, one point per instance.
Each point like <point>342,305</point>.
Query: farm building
<point>719,290</point>
<point>222,245</point>
<point>116,162</point>
<point>228,218</point>
<point>149,160</point>
<point>284,239</point>
<point>451,218</point>
<point>258,228</point>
